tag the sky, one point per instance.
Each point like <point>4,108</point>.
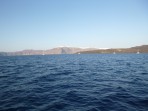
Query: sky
<point>45,24</point>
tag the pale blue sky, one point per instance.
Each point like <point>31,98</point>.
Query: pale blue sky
<point>44,24</point>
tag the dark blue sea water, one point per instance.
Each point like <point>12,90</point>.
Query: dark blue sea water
<point>95,82</point>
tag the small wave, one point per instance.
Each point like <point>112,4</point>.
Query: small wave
<point>74,83</point>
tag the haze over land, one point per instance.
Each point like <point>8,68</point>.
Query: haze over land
<point>45,24</point>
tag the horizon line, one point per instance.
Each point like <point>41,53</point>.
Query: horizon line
<point>73,47</point>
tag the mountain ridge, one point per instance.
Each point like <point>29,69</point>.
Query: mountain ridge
<point>77,50</point>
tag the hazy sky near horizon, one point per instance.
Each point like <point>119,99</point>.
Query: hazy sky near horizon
<point>44,24</point>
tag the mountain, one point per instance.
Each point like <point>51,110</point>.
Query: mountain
<point>26,52</point>
<point>63,50</point>
<point>58,50</point>
<point>140,49</point>
<point>75,50</point>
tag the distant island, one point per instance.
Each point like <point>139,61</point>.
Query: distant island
<point>74,50</point>
<point>136,49</point>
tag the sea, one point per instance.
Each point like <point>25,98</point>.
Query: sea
<point>74,82</point>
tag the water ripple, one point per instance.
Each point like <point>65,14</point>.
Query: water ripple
<point>95,82</point>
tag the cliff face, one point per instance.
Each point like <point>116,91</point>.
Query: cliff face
<point>73,50</point>
<point>63,50</point>
<point>140,49</point>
